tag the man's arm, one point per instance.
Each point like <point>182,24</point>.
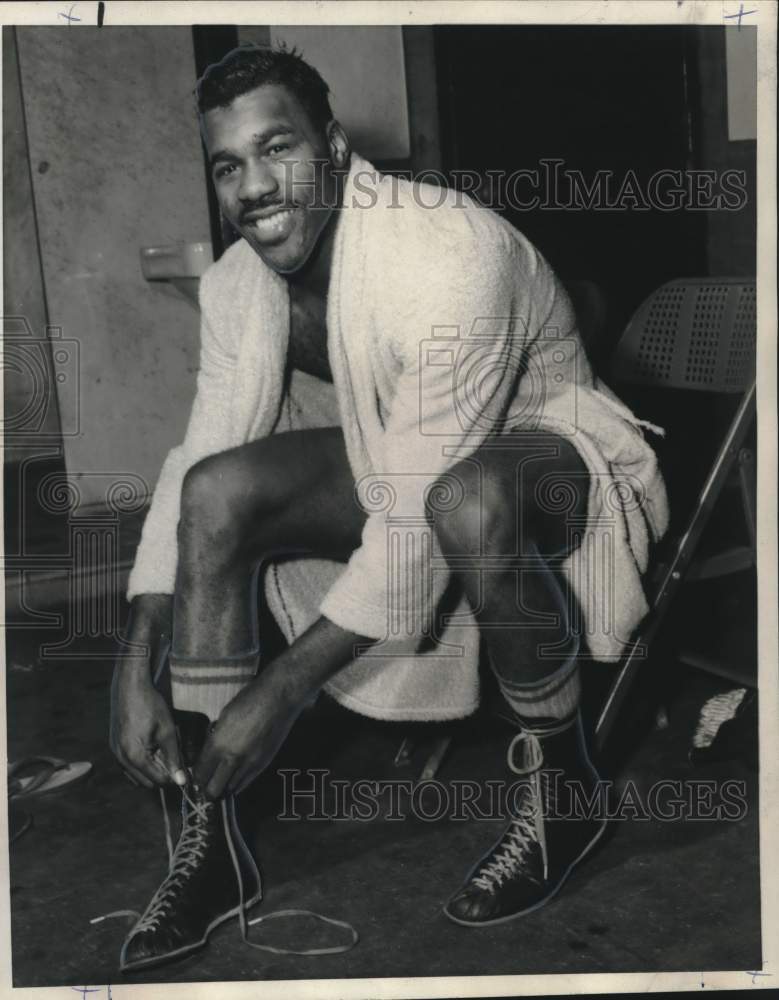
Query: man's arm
<point>252,728</point>
<point>148,626</point>
<point>140,718</point>
<point>209,430</point>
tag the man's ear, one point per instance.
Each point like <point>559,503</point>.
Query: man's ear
<point>337,144</point>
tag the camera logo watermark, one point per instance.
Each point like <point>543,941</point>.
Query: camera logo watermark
<point>81,511</point>
<point>42,378</point>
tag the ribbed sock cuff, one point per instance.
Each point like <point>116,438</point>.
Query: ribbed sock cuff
<point>554,697</point>
<point>207,684</point>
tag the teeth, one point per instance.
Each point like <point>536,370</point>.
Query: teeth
<point>274,221</point>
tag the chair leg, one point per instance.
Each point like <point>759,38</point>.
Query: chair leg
<point>435,759</point>
<point>405,751</point>
<point>746,473</point>
<point>674,572</point>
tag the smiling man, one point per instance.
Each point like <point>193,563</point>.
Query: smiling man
<point>280,212</point>
<point>392,400</point>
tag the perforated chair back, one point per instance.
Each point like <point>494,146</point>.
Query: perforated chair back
<point>691,333</point>
<point>695,334</point>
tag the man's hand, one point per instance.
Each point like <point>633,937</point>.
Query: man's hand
<point>141,723</point>
<point>140,719</point>
<point>255,723</point>
<point>248,735</point>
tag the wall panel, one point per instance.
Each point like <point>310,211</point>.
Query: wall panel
<point>116,164</point>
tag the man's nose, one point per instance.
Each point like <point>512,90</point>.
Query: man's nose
<point>257,181</point>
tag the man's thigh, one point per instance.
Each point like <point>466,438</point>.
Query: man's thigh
<point>295,493</point>
<point>543,486</point>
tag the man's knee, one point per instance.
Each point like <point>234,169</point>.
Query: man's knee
<point>472,511</point>
<point>479,509</point>
<point>212,511</point>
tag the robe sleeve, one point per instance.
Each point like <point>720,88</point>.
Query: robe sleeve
<point>209,430</point>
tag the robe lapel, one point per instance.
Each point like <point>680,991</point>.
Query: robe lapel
<point>263,316</point>
<point>349,340</point>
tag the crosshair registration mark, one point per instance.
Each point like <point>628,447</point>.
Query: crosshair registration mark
<point>740,15</point>
<point>70,16</point>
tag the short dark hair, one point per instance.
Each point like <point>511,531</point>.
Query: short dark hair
<point>250,66</point>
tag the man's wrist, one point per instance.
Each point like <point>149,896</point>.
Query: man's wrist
<point>150,615</point>
<point>148,623</point>
<point>316,656</point>
<point>134,675</point>
<point>293,687</point>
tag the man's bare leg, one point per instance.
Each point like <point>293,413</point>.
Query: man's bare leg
<point>523,496</point>
<point>291,493</point>
<point>287,493</point>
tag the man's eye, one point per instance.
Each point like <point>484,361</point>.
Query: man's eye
<point>277,148</point>
<point>224,170</point>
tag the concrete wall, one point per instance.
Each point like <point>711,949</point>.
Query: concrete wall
<point>30,402</point>
<point>116,164</point>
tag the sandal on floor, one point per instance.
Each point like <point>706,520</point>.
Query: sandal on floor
<point>37,775</point>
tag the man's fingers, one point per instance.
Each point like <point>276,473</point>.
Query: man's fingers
<point>145,765</point>
<point>169,760</point>
<point>205,765</point>
<point>238,782</point>
<point>132,772</point>
<point>220,778</point>
<point>139,778</point>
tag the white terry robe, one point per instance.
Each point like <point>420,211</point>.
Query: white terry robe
<point>445,326</point>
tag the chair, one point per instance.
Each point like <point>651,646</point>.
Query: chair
<point>692,335</point>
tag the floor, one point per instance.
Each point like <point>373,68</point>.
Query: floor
<point>658,895</point>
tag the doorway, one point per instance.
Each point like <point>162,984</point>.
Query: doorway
<point>611,99</point>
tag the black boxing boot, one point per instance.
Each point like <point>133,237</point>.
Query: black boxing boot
<point>558,815</point>
<point>212,873</point>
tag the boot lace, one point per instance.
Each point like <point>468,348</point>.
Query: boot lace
<point>189,850</point>
<point>186,858</point>
<point>525,830</point>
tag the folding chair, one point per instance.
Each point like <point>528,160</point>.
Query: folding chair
<point>694,334</point>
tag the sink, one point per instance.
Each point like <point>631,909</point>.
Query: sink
<point>180,264</point>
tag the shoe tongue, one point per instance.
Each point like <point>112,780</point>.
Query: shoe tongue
<point>192,729</point>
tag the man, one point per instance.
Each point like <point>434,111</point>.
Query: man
<point>391,378</point>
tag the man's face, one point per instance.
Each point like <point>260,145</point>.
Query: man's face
<point>267,164</point>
